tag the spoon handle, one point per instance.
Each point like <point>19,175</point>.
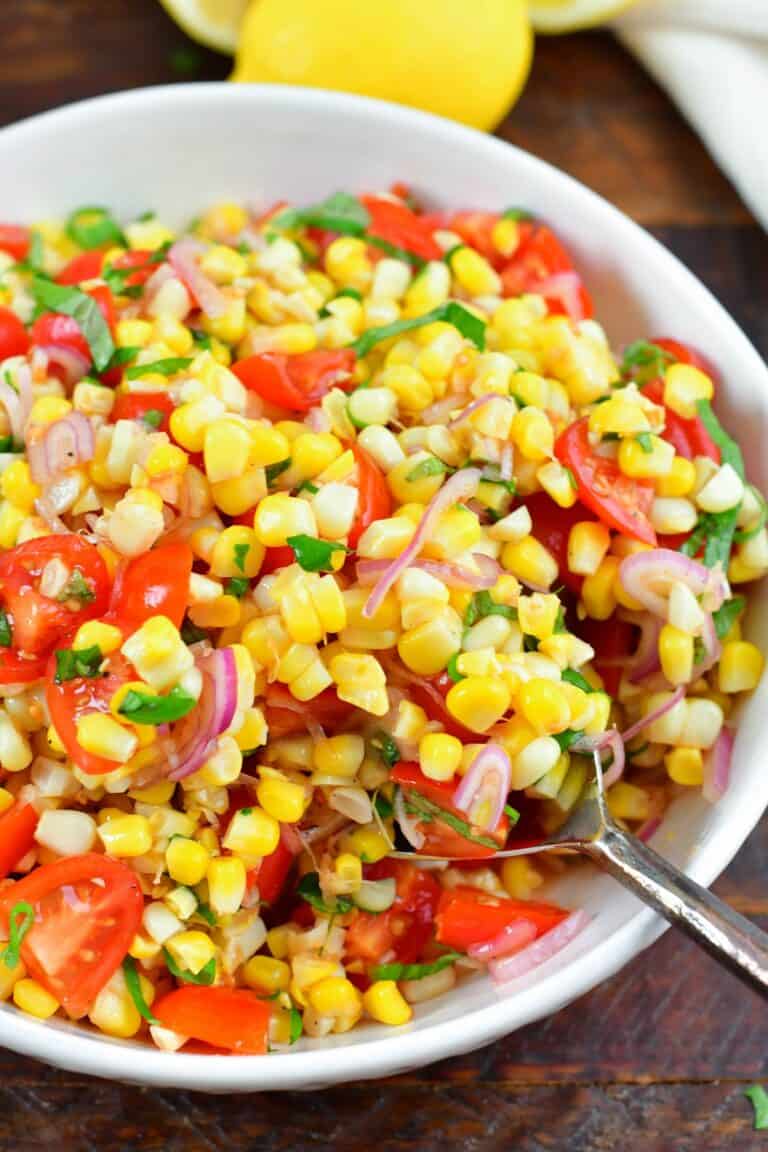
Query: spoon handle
<point>729,937</point>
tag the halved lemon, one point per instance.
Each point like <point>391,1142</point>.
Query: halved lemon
<point>214,23</point>
<point>570,15</point>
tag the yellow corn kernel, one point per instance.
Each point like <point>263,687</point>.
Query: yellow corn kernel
<point>533,434</point>
<point>126,836</point>
<point>312,452</point>
<point>335,996</point>
<point>186,861</point>
<point>588,544</point>
<point>252,832</point>
<point>223,264</point>
<point>106,637</point>
<point>253,732</point>
<point>385,1002</point>
<point>148,234</point>
<point>35,1000</point>
<point>538,614</point>
<point>339,755</point>
<point>189,422</point>
<point>159,794</point>
<point>520,877</point>
<point>103,736</point>
<point>544,705</point>
<point>226,877</point>
<point>7,800</point>
<point>346,262</point>
<point>224,612</point>
<point>684,386</point>
<point>439,755</point>
<point>741,666</point>
<point>429,289</point>
<point>628,802</point>
<point>558,483</point>
<point>457,530</point>
<point>679,480</point>
<point>191,950</point>
<point>685,766</point>
<point>411,722</point>
<point>349,869</point>
<point>636,461</point>
<point>598,591</point>
<point>279,516</point>
<point>278,940</point>
<point>676,652</point>
<point>282,800</point>
<point>268,445</point>
<point>237,552</point>
<point>360,680</point>
<point>158,653</point>
<point>133,333</point>
<point>311,682</point>
<point>166,460</point>
<point>427,648</point>
<point>226,449</point>
<point>385,539</point>
<point>618,416</point>
<point>224,220</point>
<point>114,1012</point>
<point>143,948</point>
<point>11,521</point>
<point>46,409</point>
<point>409,484</point>
<point>266,974</point>
<point>474,274</point>
<point>368,843</point>
<point>236,496</point>
<point>230,326</point>
<point>478,702</point>
<point>530,562</point>
<point>16,485</point>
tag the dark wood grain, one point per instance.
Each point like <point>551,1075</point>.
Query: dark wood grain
<point>656,1059</point>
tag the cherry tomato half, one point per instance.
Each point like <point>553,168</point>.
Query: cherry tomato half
<point>87,911</point>
<point>467,916</point>
<point>135,405</point>
<point>231,1018</point>
<point>285,714</point>
<point>619,501</point>
<point>396,224</point>
<point>296,382</point>
<point>71,699</point>
<point>440,838</point>
<point>53,329</point>
<point>14,340</point>
<point>539,256</point>
<point>86,266</point>
<point>17,835</point>
<point>689,437</point>
<point>14,239</point>
<point>374,499</point>
<point>155,584</point>
<point>406,927</point>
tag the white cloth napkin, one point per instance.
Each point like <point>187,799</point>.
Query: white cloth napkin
<point>712,58</point>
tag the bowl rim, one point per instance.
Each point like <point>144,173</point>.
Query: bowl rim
<point>399,1049</point>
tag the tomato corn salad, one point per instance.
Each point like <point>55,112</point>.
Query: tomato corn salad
<point>329,532</point>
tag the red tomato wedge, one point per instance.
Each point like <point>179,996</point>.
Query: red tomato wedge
<point>231,1018</point>
<point>17,835</point>
<point>274,558</point>
<point>685,354</point>
<point>87,911</point>
<point>614,642</point>
<point>619,501</point>
<point>15,668</point>
<point>296,382</point>
<point>135,405</point>
<point>14,340</point>
<point>407,926</point>
<point>440,838</point>
<point>144,261</point>
<point>155,584</point>
<point>689,437</point>
<point>14,239</point>
<point>476,230</point>
<point>539,257</point>
<point>397,224</point>
<point>86,266</point>
<point>272,872</point>
<point>467,916</point>
<point>38,621</point>
<point>374,500</point>
<point>286,715</point>
<point>68,701</point>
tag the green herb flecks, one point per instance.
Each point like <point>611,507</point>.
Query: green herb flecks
<point>414,971</point>
<point>237,586</point>
<point>191,634</point>
<point>385,748</point>
<point>240,551</point>
<point>571,676</point>
<point>429,467</point>
<point>338,213</point>
<point>453,670</point>
<point>645,442</point>
<point>314,555</point>
<point>350,293</point>
<point>517,214</point>
<point>122,356</point>
<point>205,976</point>
<point>6,633</point>
<point>153,417</point>
<point>469,325</point>
<point>72,663</point>
<point>727,614</point>
<point>730,453</point>
<point>76,588</point>
<point>382,806</point>
<point>426,810</point>
<point>482,604</point>
<point>20,920</point>
<point>512,813</point>
<point>644,361</point>
<point>84,311</point>
<point>274,470</point>
<point>93,227</point>
<point>747,533</point>
<point>133,984</point>
<point>309,890</point>
<point>141,708</point>
<point>295,1025</point>
<point>168,366</point>
<point>567,738</point>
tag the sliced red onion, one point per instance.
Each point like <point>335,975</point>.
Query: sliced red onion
<point>653,716</point>
<point>183,258</point>
<point>461,485</point>
<point>318,420</point>
<point>44,508</point>
<point>565,287</point>
<point>488,779</point>
<point>17,400</point>
<point>649,829</point>
<point>513,967</point>
<point>511,939</point>
<point>408,827</point>
<point>290,704</point>
<point>440,411</point>
<point>646,660</point>
<point>453,575</point>
<point>72,364</point>
<point>616,770</point>
<point>194,736</point>
<point>62,445</point>
<point>712,647</point>
<point>473,407</point>
<point>160,276</point>
<point>717,766</point>
<point>648,577</point>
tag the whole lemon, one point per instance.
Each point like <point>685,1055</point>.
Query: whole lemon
<point>468,61</point>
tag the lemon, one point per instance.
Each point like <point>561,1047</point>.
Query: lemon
<point>214,23</point>
<point>468,61</point>
<point>569,15</point>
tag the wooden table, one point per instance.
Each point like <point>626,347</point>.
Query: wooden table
<point>657,1058</point>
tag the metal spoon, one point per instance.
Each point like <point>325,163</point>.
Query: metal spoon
<point>732,939</point>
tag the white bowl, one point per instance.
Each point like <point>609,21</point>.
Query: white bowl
<point>175,150</point>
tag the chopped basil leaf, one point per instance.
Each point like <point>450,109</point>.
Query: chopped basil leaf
<point>430,467</point>
<point>758,1097</point>
<point>727,614</point>
<point>201,339</point>
<point>33,262</point>
<point>448,256</point>
<point>482,605</point>
<point>392,250</point>
<point>20,920</point>
<point>470,326</point>
<point>566,738</point>
<point>153,417</point>
<point>428,811</point>
<point>246,811</point>
<point>452,668</point>
<point>517,214</point>
<point>240,552</point>
<point>339,213</point>
<point>122,356</point>
<point>237,586</point>
<point>386,748</point>
<point>414,971</point>
<point>730,453</point>
<point>645,361</point>
<point>382,806</point>
<point>205,976</point>
<point>571,676</point>
<point>169,366</point>
<point>7,444</point>
<point>141,708</point>
<point>715,530</point>
<point>644,440</point>
<point>274,470</point>
<point>307,486</point>
<point>314,555</point>
<point>133,984</point>
<point>74,662</point>
<point>76,588</point>
<point>205,912</point>
<point>143,217</point>
<point>295,1025</point>
<point>512,813</point>
<point>84,311</point>
<point>93,227</point>
<point>309,890</point>
<point>6,635</point>
<point>491,476</point>
<point>191,634</point>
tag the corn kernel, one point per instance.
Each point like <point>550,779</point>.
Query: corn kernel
<point>361,681</point>
<point>106,637</point>
<point>741,666</point>
<point>282,800</point>
<point>544,705</point>
<point>335,996</point>
<point>226,877</point>
<point>103,736</point>
<point>533,434</point>
<point>126,836</point>
<point>16,485</point>
<point>252,832</point>
<point>473,273</point>
<point>684,385</point>
<point>642,464</point>
<point>385,1003</point>
<point>685,766</point>
<point>266,974</point>
<point>478,702</point>
<point>679,480</point>
<point>186,861</point>
<point>676,652</point>
<point>191,950</point>
<point>34,999</point>
<point>279,516</point>
<point>598,590</point>
<point>530,562</point>
<point>439,755</point>
<point>588,544</point>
